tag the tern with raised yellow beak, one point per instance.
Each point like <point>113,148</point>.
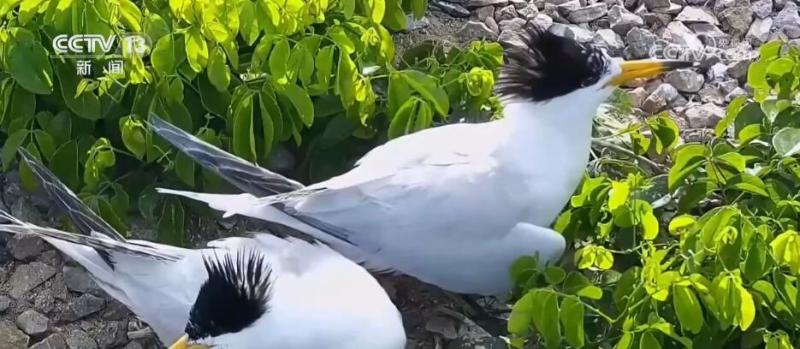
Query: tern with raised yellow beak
<point>454,205</point>
<point>253,292</point>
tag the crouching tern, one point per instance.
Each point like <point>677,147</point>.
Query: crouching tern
<point>454,205</point>
<point>244,292</point>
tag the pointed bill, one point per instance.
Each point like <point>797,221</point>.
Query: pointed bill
<point>647,68</point>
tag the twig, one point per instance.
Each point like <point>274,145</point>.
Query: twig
<point>658,168</point>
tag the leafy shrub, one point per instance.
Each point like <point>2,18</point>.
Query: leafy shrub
<point>318,77</point>
<point>704,255</point>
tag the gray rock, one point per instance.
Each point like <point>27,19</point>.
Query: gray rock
<point>452,9</point>
<point>721,5</point>
<point>506,13</point>
<point>481,343</point>
<point>588,13</point>
<point>553,12</point>
<point>717,72</point>
<point>5,303</point>
<point>656,20</point>
<point>788,21</point>
<point>77,339</point>
<point>572,31</point>
<point>685,80</point>
<point>510,30</point>
<point>779,4</point>
<point>759,31</point>
<point>520,4</point>
<point>737,92</point>
<point>677,33</point>
<point>622,20</point>
<point>482,3</point>
<point>112,334</point>
<point>81,307</point>
<point>527,12</point>
<point>478,30</point>
<point>656,4</point>
<point>673,9</point>
<point>567,7</point>
<point>692,14</point>
<point>555,2</point>
<point>542,20</point>
<point>640,42</point>
<point>133,345</point>
<point>482,13</point>
<point>492,25</point>
<point>762,8</point>
<point>28,276</point>
<point>736,19</point>
<point>24,248</point>
<point>32,323</point>
<point>738,69</point>
<point>704,116</point>
<point>11,337</point>
<point>710,35</point>
<point>78,280</point>
<point>444,326</point>
<point>517,25</point>
<point>660,98</point>
<point>638,96</point>
<point>53,341</point>
<point>711,94</point>
<point>611,41</point>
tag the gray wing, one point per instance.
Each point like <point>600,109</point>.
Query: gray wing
<point>248,177</point>
<point>81,215</point>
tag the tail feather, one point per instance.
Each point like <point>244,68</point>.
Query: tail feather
<point>83,217</point>
<point>246,176</point>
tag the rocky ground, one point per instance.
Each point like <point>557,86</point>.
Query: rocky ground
<point>47,302</point>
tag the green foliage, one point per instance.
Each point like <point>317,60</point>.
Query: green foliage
<point>318,78</point>
<point>703,254</point>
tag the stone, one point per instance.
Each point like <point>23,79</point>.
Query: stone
<point>611,41</point>
<point>505,13</point>
<point>779,4</point>
<point>77,339</point>
<point>81,307</point>
<point>622,20</point>
<point>638,96</point>
<point>660,98</point>
<point>482,13</point>
<point>28,276</point>
<point>704,116</point>
<point>673,9</point>
<point>677,33</point>
<point>11,337</point>
<point>759,31</point>
<point>519,4</point>
<point>443,326</point>
<point>452,9</point>
<point>32,323</point>
<point>736,19</point>
<point>24,248</point>
<point>528,12</point>
<point>737,92</point>
<point>542,20</point>
<point>656,4</point>
<point>717,71</point>
<point>480,343</point>
<point>693,14</point>
<point>5,303</point>
<point>656,20</point>
<point>787,21</point>
<point>762,8</point>
<point>53,341</point>
<point>709,34</point>
<point>721,5</point>
<point>552,11</point>
<point>133,345</point>
<point>78,280</point>
<point>478,30</point>
<point>112,334</point>
<point>556,2</point>
<point>483,3</point>
<point>572,31</point>
<point>711,94</point>
<point>567,7</point>
<point>517,25</point>
<point>588,13</point>
<point>685,80</point>
<point>640,43</point>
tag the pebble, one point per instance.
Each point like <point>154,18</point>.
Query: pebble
<point>622,20</point>
<point>762,8</point>
<point>611,41</point>
<point>788,21</point>
<point>483,3</point>
<point>660,98</point>
<point>693,14</point>
<point>78,280</point>
<point>737,19</point>
<point>77,339</point>
<point>5,303</point>
<point>81,307</point>
<point>32,323</point>
<point>640,43</point>
<point>476,30</point>
<point>24,248</point>
<point>505,13</point>
<point>588,13</point>
<point>759,32</point>
<point>704,116</point>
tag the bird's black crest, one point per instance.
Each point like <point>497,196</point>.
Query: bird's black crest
<point>548,66</point>
<point>235,295</point>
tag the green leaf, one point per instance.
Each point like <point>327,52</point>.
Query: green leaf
<point>750,133</point>
<point>395,17</point>
<point>167,55</point>
<point>426,86</point>
<point>345,80</point>
<point>28,63</point>
<point>747,309</point>
<point>278,61</point>
<point>571,316</point>
<point>27,179</point>
<point>47,146</point>
<point>522,315</point>
<point>688,309</point>
<point>579,285</point>
<point>171,223</point>
<point>324,63</point>
<point>65,163</point>
<point>218,72</point>
<point>749,183</point>
<point>418,8</point>
<point>243,137</point>
<point>618,195</point>
<point>27,9</point>
<point>184,168</point>
<point>11,145</point>
<point>554,275</point>
<point>302,64</point>
<point>734,108</point>
<point>787,141</point>
<point>301,102</point>
<point>401,120</point>
<point>649,341</point>
<point>134,136</point>
<point>196,49</point>
<point>544,312</point>
<point>665,132</point>
<point>248,23</point>
<point>687,159</point>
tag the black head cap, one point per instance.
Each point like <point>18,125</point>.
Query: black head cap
<point>235,295</point>
<point>548,66</point>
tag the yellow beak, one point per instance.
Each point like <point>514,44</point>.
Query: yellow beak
<point>183,343</point>
<point>647,68</point>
